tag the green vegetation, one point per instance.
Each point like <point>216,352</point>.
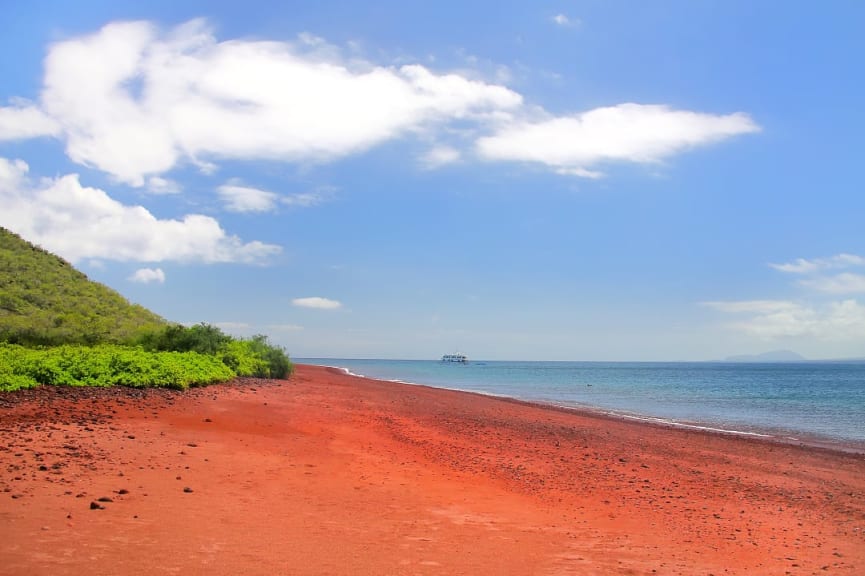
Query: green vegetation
<point>256,357</point>
<point>45,301</point>
<point>201,338</point>
<point>107,365</point>
<point>59,328</point>
<point>246,357</point>
<point>177,357</point>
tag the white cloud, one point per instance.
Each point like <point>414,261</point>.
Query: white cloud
<point>311,198</point>
<point>803,266</point>
<point>624,133</point>
<point>303,199</point>
<point>846,319</point>
<point>770,319</point>
<point>23,120</point>
<point>439,156</point>
<point>756,306</point>
<point>239,198</point>
<point>316,302</point>
<point>133,101</point>
<point>79,222</point>
<point>800,266</point>
<point>136,101</point>
<point>148,275</point>
<point>13,174</point>
<point>773,319</point>
<point>581,172</point>
<point>834,321</point>
<point>159,185</point>
<point>564,20</point>
<point>845,283</point>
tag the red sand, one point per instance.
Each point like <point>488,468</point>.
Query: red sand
<point>330,474</point>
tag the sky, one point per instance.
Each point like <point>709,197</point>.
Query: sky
<point>572,180</point>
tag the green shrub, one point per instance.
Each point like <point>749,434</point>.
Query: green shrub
<point>201,338</point>
<point>254,357</point>
<point>240,357</point>
<point>10,382</point>
<point>274,362</point>
<point>203,355</point>
<point>107,365</point>
<point>11,377</point>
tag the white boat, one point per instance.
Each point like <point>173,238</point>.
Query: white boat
<point>460,358</point>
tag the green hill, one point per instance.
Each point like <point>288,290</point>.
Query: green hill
<point>44,300</point>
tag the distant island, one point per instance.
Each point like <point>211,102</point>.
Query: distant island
<point>772,356</point>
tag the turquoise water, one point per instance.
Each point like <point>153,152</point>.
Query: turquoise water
<point>817,401</point>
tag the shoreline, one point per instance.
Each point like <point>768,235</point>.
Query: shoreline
<point>332,474</point>
<point>801,438</point>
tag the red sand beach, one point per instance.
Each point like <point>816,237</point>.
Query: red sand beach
<point>331,474</point>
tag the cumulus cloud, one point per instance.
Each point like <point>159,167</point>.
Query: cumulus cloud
<point>24,120</point>
<point>317,302</point>
<point>148,275</point>
<point>439,156</point>
<point>79,222</point>
<point>637,133</point>
<point>239,198</point>
<point>135,101</point>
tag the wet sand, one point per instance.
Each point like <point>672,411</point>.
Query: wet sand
<point>332,474</point>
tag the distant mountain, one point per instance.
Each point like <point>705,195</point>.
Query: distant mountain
<point>44,300</point>
<point>773,356</point>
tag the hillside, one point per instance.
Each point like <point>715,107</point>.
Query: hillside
<point>44,300</point>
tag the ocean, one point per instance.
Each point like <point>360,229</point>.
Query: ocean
<point>806,401</point>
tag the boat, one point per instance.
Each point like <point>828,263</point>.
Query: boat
<point>459,358</point>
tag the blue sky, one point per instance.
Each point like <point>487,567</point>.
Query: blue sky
<point>668,180</point>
